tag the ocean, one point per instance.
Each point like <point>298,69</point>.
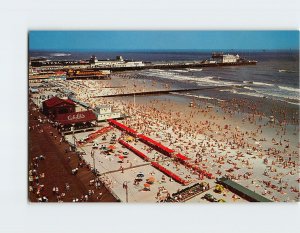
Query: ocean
<point>275,78</point>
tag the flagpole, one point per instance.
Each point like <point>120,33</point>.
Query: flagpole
<point>134,103</point>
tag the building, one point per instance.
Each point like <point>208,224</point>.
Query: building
<point>54,106</point>
<point>119,62</point>
<point>87,74</point>
<point>228,58</point>
<point>225,58</point>
<point>242,191</point>
<point>39,65</point>
<point>76,122</point>
<point>104,112</point>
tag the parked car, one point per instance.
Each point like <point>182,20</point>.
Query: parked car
<point>209,197</point>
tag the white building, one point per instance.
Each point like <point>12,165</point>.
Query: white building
<point>119,62</point>
<point>228,58</point>
<point>104,112</point>
<point>225,58</point>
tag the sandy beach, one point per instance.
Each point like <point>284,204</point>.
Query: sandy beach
<point>216,135</point>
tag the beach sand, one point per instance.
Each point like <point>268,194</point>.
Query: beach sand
<point>216,135</point>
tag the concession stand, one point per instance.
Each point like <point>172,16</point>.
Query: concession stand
<point>76,122</point>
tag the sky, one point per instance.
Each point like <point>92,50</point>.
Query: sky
<point>162,40</point>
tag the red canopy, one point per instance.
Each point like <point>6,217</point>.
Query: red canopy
<point>155,143</point>
<point>181,157</point>
<point>134,150</point>
<point>168,173</point>
<point>54,101</point>
<point>123,127</point>
<point>76,117</point>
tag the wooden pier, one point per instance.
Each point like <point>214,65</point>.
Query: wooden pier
<point>176,65</point>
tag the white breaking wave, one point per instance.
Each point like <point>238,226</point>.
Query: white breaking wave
<point>200,81</point>
<point>255,94</point>
<point>60,54</point>
<point>290,89</point>
<point>288,94</point>
<point>263,84</point>
<point>287,71</point>
<point>294,103</point>
<point>250,88</point>
<point>197,96</point>
<point>181,71</point>
<point>292,93</point>
<point>211,80</point>
<point>194,69</point>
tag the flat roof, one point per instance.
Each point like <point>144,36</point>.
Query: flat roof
<point>253,195</point>
<point>103,106</point>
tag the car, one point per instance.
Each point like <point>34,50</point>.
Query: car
<point>209,197</point>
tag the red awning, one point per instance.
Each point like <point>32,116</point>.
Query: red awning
<point>123,127</point>
<point>168,173</point>
<point>155,143</point>
<point>181,157</point>
<point>57,101</point>
<point>76,117</point>
<point>134,150</point>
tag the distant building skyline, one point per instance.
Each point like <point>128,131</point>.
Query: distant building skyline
<point>162,40</point>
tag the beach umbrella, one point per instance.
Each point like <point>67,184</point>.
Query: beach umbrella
<point>129,138</point>
<point>121,157</point>
<point>146,185</point>
<point>111,147</point>
<point>151,179</point>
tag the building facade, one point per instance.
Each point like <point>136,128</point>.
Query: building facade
<point>104,112</point>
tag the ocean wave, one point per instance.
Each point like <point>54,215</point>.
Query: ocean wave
<point>228,80</point>
<point>60,54</point>
<point>200,81</point>
<point>287,71</point>
<point>294,103</point>
<point>270,93</point>
<point>181,71</point>
<point>197,96</point>
<point>170,75</point>
<point>254,93</point>
<point>264,84</point>
<point>277,91</point>
<point>250,88</point>
<point>248,82</point>
<point>289,89</point>
<point>189,69</point>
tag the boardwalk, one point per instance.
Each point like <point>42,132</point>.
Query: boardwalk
<point>58,165</point>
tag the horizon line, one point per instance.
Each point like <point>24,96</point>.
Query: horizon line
<point>157,50</point>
